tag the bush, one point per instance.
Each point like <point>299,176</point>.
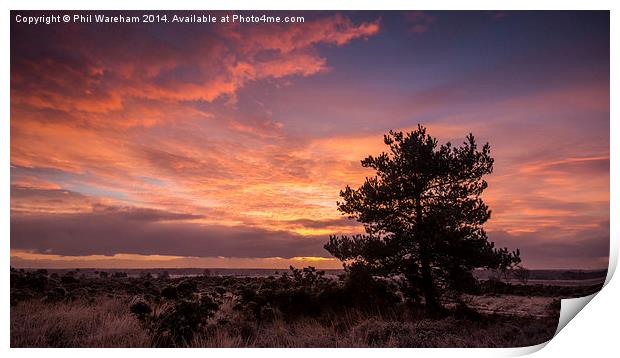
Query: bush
<point>33,281</point>
<point>309,293</point>
<point>186,288</point>
<point>56,294</point>
<point>365,291</point>
<point>175,323</point>
<point>169,292</point>
<point>140,307</point>
<point>69,280</point>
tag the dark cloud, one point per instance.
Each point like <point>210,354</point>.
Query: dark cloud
<point>139,231</point>
<point>144,214</point>
<point>554,248</point>
<point>27,199</point>
<point>51,194</point>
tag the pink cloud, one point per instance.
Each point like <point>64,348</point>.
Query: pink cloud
<point>419,21</point>
<point>101,80</point>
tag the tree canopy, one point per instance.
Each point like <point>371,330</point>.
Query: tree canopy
<point>423,215</point>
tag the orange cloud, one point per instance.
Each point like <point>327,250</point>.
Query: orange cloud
<point>337,30</point>
<point>104,80</point>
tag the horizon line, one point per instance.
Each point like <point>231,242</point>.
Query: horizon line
<point>259,268</point>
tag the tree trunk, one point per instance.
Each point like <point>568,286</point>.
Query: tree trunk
<point>432,304</point>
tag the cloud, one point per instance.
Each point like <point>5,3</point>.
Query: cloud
<point>263,127</point>
<point>135,63</point>
<point>109,232</point>
<point>419,21</point>
<point>143,214</point>
<point>552,247</point>
<point>335,30</point>
<point>568,165</point>
<point>49,200</point>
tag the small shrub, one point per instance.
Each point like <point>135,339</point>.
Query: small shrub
<point>175,323</point>
<point>169,292</point>
<point>69,280</point>
<point>140,308</point>
<point>186,288</point>
<point>19,295</point>
<point>220,290</point>
<point>56,294</point>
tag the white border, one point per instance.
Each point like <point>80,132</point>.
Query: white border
<point>320,5</point>
<point>594,330</point>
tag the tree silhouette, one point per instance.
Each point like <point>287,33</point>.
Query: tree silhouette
<point>423,216</point>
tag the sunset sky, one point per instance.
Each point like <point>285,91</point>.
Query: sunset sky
<point>226,145</point>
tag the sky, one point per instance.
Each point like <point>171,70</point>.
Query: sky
<point>226,145</point>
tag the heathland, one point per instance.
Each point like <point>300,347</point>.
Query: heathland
<point>281,308</point>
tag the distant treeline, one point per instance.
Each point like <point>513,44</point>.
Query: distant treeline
<point>480,274</point>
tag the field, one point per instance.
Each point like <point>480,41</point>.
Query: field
<point>265,308</point>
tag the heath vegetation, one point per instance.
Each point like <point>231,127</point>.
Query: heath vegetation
<point>299,308</point>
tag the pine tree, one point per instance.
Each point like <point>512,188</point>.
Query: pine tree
<point>423,215</point>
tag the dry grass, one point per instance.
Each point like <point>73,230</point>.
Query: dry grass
<point>108,323</point>
<point>522,306</point>
<point>105,323</point>
<point>381,332</point>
